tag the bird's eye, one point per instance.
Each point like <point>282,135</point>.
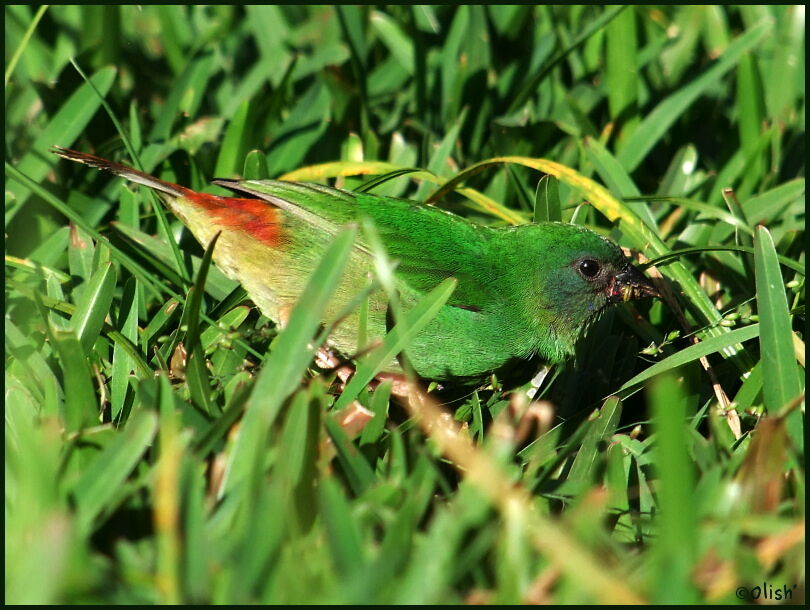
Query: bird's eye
<point>589,268</point>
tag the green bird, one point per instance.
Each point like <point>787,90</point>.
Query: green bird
<point>524,294</point>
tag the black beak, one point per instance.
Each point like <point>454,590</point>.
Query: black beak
<point>630,284</point>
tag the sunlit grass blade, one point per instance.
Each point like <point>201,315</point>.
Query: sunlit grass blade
<point>346,168</point>
<point>94,306</point>
<point>694,352</point>
<point>166,508</point>
<point>781,381</point>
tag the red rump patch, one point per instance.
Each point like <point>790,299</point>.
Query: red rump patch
<point>253,216</point>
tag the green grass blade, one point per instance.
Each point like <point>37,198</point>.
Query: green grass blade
<point>199,383</point>
<point>81,407</point>
<point>621,72</point>
<point>676,548</point>
<point>238,139</point>
<point>783,260</point>
<point>394,38</point>
<point>694,352</point>
<point>371,184</point>
<point>781,381</point>
<point>94,306</point>
<point>255,166</point>
<point>600,430</point>
<point>61,207</point>
<point>24,42</point>
<point>123,362</point>
<point>547,200</point>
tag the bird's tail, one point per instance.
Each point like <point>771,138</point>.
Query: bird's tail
<point>119,169</point>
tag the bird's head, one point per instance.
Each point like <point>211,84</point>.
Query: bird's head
<point>580,274</point>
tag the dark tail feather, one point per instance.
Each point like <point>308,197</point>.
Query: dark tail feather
<point>119,169</point>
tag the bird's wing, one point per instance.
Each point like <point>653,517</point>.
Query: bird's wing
<point>427,243</point>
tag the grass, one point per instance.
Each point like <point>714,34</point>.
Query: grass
<point>165,443</point>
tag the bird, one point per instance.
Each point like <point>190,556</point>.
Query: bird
<point>524,294</point>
